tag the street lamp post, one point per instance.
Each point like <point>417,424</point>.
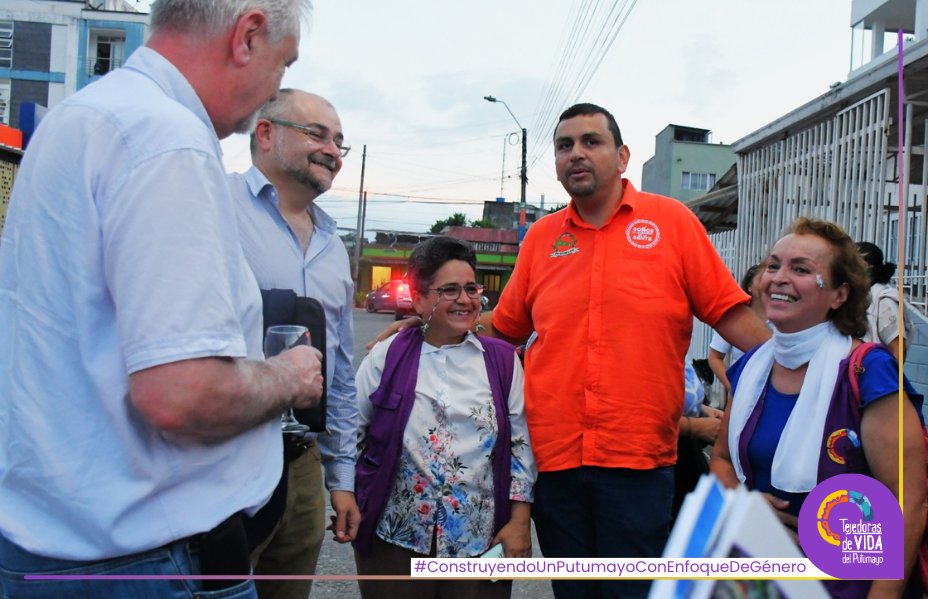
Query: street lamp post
<point>524,174</point>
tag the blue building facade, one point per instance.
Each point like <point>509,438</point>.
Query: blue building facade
<point>51,48</point>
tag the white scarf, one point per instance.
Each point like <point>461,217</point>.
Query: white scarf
<point>795,462</point>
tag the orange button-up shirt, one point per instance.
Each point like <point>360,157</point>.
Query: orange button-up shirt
<point>613,308</point>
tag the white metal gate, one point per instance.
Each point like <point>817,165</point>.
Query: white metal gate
<point>835,170</point>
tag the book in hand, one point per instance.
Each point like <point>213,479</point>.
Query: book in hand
<point>719,522</point>
<point>494,552</point>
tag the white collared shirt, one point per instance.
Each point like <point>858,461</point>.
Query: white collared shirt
<point>120,253</point>
<point>445,477</point>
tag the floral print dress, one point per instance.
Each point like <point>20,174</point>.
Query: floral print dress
<point>444,485</point>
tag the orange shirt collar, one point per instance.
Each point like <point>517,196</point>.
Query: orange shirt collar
<point>629,200</point>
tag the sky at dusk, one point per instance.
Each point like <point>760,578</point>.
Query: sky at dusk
<point>408,79</point>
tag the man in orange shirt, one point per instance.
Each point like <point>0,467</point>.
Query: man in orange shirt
<point>611,284</point>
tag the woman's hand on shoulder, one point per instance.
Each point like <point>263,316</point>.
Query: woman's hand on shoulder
<point>393,329</point>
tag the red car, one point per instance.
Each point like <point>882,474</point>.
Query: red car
<point>385,297</point>
<point>403,304</point>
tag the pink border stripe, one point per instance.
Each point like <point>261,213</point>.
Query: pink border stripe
<point>204,577</point>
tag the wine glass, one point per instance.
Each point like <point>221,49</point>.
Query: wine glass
<point>278,339</point>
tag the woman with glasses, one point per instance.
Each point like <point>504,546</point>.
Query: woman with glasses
<point>445,468</point>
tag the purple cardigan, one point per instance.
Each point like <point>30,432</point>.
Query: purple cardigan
<point>844,414</point>
<point>392,404</point>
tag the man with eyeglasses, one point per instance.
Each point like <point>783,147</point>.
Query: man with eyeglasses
<point>297,148</point>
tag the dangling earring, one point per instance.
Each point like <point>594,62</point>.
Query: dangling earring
<point>425,326</point>
<point>479,327</point>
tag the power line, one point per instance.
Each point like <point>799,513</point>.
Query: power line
<point>564,89</point>
<point>553,100</point>
<point>595,53</point>
<point>433,145</point>
<point>412,198</point>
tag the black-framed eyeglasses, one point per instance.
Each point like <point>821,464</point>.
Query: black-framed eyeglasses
<point>316,133</point>
<point>453,292</point>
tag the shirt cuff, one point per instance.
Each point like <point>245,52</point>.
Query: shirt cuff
<point>521,490</point>
<point>339,476</point>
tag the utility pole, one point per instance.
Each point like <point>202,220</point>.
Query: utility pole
<point>364,215</point>
<point>359,231</point>
<point>524,174</point>
<point>502,172</point>
<point>524,168</point>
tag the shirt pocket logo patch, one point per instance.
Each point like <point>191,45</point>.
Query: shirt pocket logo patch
<point>643,234</point>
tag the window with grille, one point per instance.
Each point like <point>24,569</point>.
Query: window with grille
<point>107,51</point>
<point>5,95</point>
<point>6,44</point>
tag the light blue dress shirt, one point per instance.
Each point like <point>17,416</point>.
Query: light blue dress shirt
<point>323,273</point>
<point>121,252</point>
<point>693,392</point>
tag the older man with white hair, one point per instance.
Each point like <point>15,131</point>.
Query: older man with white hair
<point>140,423</point>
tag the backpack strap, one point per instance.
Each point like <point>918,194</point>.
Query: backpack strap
<point>855,368</point>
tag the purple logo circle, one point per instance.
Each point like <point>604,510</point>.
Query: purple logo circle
<point>850,526</point>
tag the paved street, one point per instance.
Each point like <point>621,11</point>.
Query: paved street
<point>338,559</point>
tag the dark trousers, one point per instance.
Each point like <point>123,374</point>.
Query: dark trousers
<point>602,512</point>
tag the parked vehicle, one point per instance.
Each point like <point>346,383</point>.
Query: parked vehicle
<point>384,297</point>
<point>404,307</point>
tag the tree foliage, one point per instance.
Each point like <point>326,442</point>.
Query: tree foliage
<point>459,219</point>
<point>483,224</point>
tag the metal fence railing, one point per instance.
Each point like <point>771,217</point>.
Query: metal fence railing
<point>842,169</point>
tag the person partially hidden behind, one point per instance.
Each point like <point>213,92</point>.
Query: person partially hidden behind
<point>290,242</point>
<point>719,349</point>
<point>883,313</point>
<point>791,392</point>
<point>699,427</point>
<point>445,466</point>
<point>140,422</point>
